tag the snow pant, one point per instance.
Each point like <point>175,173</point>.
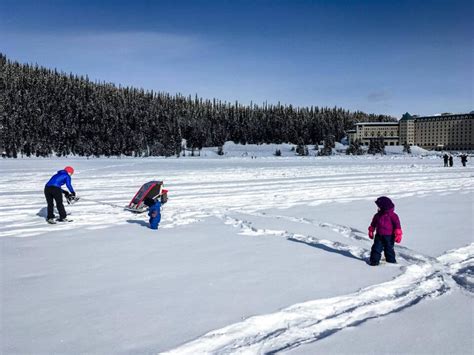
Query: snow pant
<point>445,163</point>
<point>383,243</point>
<point>53,193</point>
<point>155,221</point>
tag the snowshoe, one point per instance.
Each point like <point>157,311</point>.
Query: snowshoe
<point>62,220</point>
<point>71,199</point>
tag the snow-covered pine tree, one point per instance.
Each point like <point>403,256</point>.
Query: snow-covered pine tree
<point>73,115</point>
<point>376,146</point>
<point>329,143</point>
<point>355,148</point>
<point>406,148</point>
<point>301,148</point>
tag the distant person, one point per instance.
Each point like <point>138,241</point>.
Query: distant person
<point>154,212</point>
<point>386,226</point>
<point>451,161</point>
<point>445,158</point>
<point>463,159</point>
<point>53,192</point>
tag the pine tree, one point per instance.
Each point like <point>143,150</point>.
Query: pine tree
<point>301,148</point>
<point>355,148</point>
<point>72,115</point>
<point>329,143</point>
<point>376,146</point>
<point>406,148</point>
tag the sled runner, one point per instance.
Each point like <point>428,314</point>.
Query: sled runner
<point>151,189</point>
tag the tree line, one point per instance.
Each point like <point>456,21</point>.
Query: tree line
<point>45,112</point>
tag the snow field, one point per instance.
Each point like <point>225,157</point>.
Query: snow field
<point>314,320</point>
<point>201,187</point>
<point>316,210</point>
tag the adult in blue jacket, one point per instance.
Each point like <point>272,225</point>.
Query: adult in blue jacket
<point>154,212</point>
<point>53,192</point>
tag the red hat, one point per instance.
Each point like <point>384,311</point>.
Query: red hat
<point>69,170</point>
<point>164,191</point>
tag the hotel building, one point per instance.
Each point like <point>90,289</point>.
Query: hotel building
<point>445,132</point>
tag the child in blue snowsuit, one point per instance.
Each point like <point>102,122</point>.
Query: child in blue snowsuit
<point>154,211</point>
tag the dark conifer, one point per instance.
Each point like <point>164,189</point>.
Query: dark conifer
<point>45,112</point>
<point>355,148</point>
<point>407,148</point>
<point>376,146</point>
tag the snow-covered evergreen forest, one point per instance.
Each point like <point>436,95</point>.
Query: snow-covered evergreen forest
<point>46,112</point>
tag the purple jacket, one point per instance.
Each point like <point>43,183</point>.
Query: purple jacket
<point>385,222</point>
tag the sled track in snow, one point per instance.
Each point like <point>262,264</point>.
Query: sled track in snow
<point>209,189</point>
<point>311,321</point>
<point>217,186</point>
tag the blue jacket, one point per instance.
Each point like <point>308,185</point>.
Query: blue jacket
<point>155,215</point>
<point>59,179</point>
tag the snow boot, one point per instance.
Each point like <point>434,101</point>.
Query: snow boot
<point>51,221</point>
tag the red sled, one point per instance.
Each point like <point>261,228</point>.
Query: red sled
<point>152,189</point>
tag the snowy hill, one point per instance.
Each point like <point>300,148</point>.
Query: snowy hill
<point>288,150</point>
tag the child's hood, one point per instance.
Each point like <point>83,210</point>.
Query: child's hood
<point>385,204</point>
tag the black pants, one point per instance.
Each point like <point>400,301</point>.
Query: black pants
<point>383,243</point>
<point>53,193</point>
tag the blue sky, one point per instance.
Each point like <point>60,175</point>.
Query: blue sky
<point>376,56</point>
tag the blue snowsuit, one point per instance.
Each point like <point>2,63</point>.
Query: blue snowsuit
<point>155,215</point>
<point>59,179</point>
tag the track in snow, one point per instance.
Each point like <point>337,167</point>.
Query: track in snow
<point>219,188</point>
<point>200,188</point>
<point>311,321</point>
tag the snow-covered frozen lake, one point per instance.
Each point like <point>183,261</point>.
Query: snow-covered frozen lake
<point>252,256</point>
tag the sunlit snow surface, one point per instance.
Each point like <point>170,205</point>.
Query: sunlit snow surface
<point>201,188</point>
<point>319,205</point>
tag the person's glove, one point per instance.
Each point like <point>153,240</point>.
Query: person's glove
<point>398,235</point>
<point>371,232</point>
<point>71,198</point>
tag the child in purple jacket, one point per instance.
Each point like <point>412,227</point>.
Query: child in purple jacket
<point>386,226</point>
